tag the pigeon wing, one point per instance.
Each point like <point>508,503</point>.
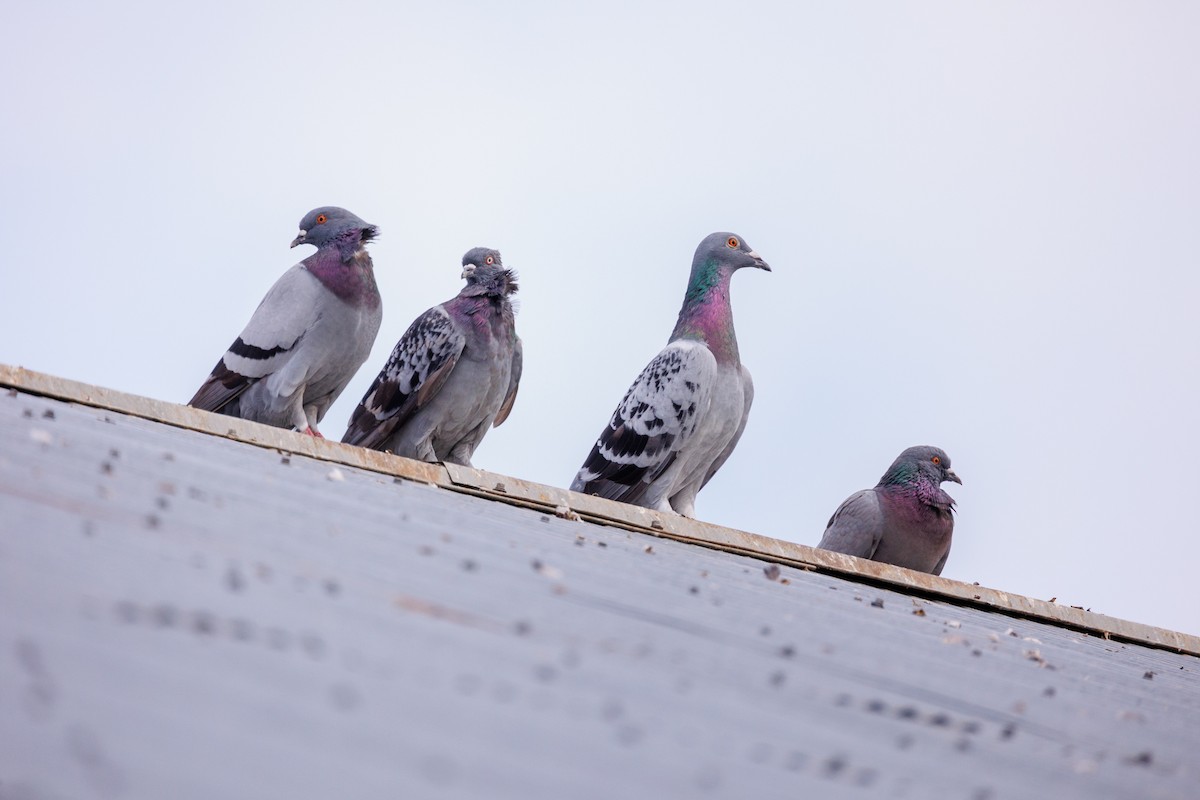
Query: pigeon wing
<point>419,364</point>
<point>269,340</point>
<point>856,527</point>
<point>514,382</point>
<point>748,398</point>
<point>651,425</point>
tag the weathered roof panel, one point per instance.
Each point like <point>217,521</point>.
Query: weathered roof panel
<point>191,615</point>
<point>596,509</point>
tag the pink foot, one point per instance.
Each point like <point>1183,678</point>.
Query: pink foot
<point>313,432</point>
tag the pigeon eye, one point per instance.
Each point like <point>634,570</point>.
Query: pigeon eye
<point>321,219</point>
<point>489,260</point>
<point>936,459</point>
<point>732,241</point>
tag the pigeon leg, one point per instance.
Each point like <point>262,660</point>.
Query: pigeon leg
<point>687,510</point>
<point>664,506</point>
<point>313,432</point>
<point>459,456</point>
<point>684,502</point>
<point>461,453</point>
<point>425,450</point>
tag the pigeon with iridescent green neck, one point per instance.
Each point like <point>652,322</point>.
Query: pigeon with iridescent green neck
<point>684,414</point>
<point>906,520</point>
<point>308,336</point>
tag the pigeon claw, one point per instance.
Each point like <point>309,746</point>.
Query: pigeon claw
<point>311,431</point>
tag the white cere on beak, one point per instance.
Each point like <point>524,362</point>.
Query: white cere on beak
<point>303,232</point>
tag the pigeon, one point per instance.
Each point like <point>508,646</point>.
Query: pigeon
<point>906,520</point>
<point>682,417</point>
<point>308,336</point>
<point>453,374</point>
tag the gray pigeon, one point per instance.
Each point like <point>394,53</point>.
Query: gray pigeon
<point>906,520</point>
<point>453,374</point>
<point>308,336</point>
<point>684,414</point>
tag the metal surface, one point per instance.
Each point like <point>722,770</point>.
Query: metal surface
<point>530,495</point>
<point>189,616</point>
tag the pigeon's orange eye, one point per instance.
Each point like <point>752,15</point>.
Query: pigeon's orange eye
<point>321,219</point>
<point>489,260</point>
<point>936,459</point>
<point>732,241</point>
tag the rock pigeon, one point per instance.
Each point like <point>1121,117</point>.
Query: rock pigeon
<point>308,336</point>
<point>453,374</point>
<point>906,520</point>
<point>684,414</point>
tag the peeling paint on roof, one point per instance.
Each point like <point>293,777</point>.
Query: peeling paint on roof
<point>197,606</point>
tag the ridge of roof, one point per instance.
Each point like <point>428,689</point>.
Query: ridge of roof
<point>597,510</point>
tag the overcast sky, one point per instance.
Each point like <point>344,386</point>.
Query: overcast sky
<point>983,219</point>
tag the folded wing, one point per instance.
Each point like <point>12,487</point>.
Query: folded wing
<point>651,425</point>
<point>514,382</point>
<point>268,342</point>
<point>856,527</point>
<point>419,365</point>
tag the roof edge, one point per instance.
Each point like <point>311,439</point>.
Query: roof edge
<point>598,510</point>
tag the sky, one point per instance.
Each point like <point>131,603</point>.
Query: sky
<point>983,221</point>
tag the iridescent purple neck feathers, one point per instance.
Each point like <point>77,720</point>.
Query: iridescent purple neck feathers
<point>350,278</point>
<point>920,490</point>
<point>707,315</point>
<point>485,298</point>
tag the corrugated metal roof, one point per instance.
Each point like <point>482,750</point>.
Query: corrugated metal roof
<point>257,614</point>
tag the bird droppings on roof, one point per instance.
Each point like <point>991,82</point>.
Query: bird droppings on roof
<point>276,634</point>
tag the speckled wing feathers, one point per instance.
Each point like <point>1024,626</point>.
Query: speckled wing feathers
<point>650,426</point>
<point>419,364</point>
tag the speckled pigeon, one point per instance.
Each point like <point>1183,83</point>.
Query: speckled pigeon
<point>684,414</point>
<point>453,374</point>
<point>906,520</point>
<point>308,336</point>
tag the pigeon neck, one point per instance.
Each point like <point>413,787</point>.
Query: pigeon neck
<point>707,315</point>
<point>906,480</point>
<point>350,276</point>
<point>484,311</point>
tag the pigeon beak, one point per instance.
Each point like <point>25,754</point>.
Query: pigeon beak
<point>950,476</point>
<point>758,261</point>
<point>468,271</point>
<point>299,239</point>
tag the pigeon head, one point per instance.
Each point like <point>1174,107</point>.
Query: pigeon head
<point>479,258</point>
<point>726,251</point>
<point>921,464</point>
<point>328,224</point>
<point>717,258</point>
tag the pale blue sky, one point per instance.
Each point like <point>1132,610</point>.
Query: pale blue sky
<point>984,221</point>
